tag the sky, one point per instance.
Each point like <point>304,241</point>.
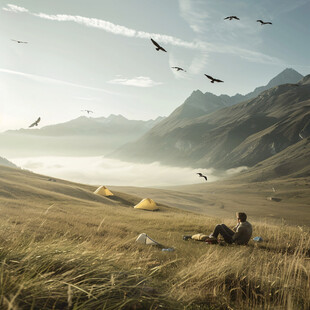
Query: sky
<point>98,55</point>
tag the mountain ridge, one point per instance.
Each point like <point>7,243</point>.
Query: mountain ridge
<point>239,135</point>
<point>95,125</point>
<point>83,136</point>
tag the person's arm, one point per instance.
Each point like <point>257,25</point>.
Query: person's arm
<point>236,227</point>
<point>241,230</point>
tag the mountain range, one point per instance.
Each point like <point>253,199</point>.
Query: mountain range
<point>78,137</point>
<point>267,129</point>
<point>207,132</point>
<point>198,103</point>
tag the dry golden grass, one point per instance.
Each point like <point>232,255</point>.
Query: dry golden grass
<point>62,247</point>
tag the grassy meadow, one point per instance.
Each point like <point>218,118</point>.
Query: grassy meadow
<point>62,247</point>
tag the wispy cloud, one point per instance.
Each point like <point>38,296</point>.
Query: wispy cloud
<point>108,27</point>
<point>15,9</point>
<point>196,65</point>
<point>139,81</point>
<point>225,37</point>
<point>40,78</point>
<point>194,16</point>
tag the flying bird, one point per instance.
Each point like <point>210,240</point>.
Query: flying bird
<point>213,79</point>
<point>36,123</point>
<point>88,111</point>
<point>232,17</point>
<point>158,47</point>
<point>263,23</point>
<point>18,41</point>
<point>202,176</point>
<point>178,69</point>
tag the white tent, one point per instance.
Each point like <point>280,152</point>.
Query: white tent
<point>145,239</point>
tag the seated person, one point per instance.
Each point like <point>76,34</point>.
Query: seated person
<point>241,233</point>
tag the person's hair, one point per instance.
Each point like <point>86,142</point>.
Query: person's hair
<point>242,216</point>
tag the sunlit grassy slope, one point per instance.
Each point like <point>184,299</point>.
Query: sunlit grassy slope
<point>62,247</point>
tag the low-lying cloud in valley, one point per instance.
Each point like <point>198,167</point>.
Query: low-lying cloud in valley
<point>107,171</point>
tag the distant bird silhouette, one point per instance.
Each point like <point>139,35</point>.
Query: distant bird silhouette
<point>202,176</point>
<point>88,111</point>
<point>158,47</point>
<point>18,41</point>
<point>36,123</point>
<point>178,69</point>
<point>213,79</point>
<point>263,23</point>
<point>232,17</point>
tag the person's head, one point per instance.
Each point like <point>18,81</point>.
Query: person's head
<point>241,216</point>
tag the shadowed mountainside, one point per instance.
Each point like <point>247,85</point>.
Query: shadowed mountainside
<point>240,135</point>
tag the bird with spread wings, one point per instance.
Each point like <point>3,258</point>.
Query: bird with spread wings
<point>202,176</point>
<point>158,47</point>
<point>178,69</point>
<point>36,123</point>
<point>232,17</point>
<point>263,23</point>
<point>213,79</point>
<point>18,41</point>
<point>88,111</point>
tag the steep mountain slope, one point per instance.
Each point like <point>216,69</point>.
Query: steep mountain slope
<point>243,134</point>
<point>81,136</point>
<point>198,104</point>
<point>293,162</point>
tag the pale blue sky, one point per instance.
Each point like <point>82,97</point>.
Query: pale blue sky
<point>97,54</point>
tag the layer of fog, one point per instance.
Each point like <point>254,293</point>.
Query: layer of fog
<point>107,171</point>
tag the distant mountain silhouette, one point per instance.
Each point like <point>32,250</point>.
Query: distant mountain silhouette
<point>79,137</point>
<point>243,134</point>
<point>114,124</point>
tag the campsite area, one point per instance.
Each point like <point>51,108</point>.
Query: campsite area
<point>64,247</point>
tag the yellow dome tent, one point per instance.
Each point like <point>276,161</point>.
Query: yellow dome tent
<point>147,204</point>
<point>103,191</point>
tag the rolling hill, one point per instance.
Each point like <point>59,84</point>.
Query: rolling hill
<point>64,247</point>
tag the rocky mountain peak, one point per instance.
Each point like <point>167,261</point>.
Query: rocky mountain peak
<point>288,75</point>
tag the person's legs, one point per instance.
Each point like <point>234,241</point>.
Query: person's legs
<point>226,232</point>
